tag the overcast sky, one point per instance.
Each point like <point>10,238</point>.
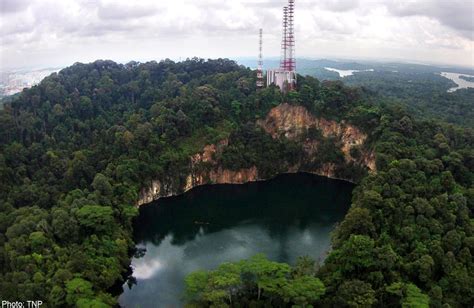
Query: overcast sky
<point>48,33</point>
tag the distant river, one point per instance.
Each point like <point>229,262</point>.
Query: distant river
<point>286,217</point>
<point>461,83</point>
<point>345,73</point>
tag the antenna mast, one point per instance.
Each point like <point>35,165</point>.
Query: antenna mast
<point>290,42</point>
<point>260,61</point>
<point>285,76</point>
<point>284,44</point>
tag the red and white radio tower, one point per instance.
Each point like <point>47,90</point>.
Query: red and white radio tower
<point>284,46</point>
<point>288,61</point>
<point>285,76</point>
<point>290,41</point>
<point>260,61</point>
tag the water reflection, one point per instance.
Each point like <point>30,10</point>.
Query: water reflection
<point>461,83</point>
<point>287,217</point>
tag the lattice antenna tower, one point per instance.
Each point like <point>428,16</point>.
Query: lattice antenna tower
<point>290,41</point>
<point>284,45</point>
<point>260,83</point>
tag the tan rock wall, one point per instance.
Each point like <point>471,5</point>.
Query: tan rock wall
<point>292,121</point>
<point>282,121</point>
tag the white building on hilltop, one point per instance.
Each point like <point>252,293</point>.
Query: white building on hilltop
<point>285,76</point>
<point>283,79</point>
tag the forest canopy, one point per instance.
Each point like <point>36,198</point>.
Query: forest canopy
<point>76,149</point>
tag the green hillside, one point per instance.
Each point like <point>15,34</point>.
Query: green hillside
<point>76,149</point>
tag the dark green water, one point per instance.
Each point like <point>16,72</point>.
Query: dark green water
<point>289,216</point>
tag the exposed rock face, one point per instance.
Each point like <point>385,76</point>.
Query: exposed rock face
<point>287,120</point>
<point>155,191</point>
<point>282,121</point>
<point>225,176</point>
<point>221,176</point>
<point>368,159</point>
<point>208,152</point>
<point>204,170</point>
<point>293,121</point>
<point>148,194</point>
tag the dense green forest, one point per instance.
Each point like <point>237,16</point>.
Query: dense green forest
<point>76,149</point>
<point>419,88</point>
<point>425,94</point>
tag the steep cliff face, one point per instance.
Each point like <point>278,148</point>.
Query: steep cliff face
<point>288,121</point>
<point>283,121</point>
<point>203,170</point>
<point>148,194</point>
<point>292,122</point>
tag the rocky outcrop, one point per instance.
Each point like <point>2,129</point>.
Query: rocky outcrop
<point>149,194</point>
<point>283,121</point>
<point>157,189</point>
<point>225,176</point>
<point>368,159</point>
<point>288,121</point>
<point>203,170</point>
<point>222,176</point>
<point>292,122</point>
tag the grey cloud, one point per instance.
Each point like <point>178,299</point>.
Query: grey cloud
<point>50,24</point>
<point>279,4</point>
<point>100,29</point>
<point>332,26</point>
<point>263,5</point>
<point>339,5</point>
<point>13,6</point>
<point>457,14</point>
<point>118,11</point>
<point>16,28</point>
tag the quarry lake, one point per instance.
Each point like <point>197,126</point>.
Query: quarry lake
<point>289,216</point>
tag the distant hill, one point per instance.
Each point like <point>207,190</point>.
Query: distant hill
<point>306,65</point>
<point>467,78</point>
<point>14,81</point>
<point>419,87</point>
